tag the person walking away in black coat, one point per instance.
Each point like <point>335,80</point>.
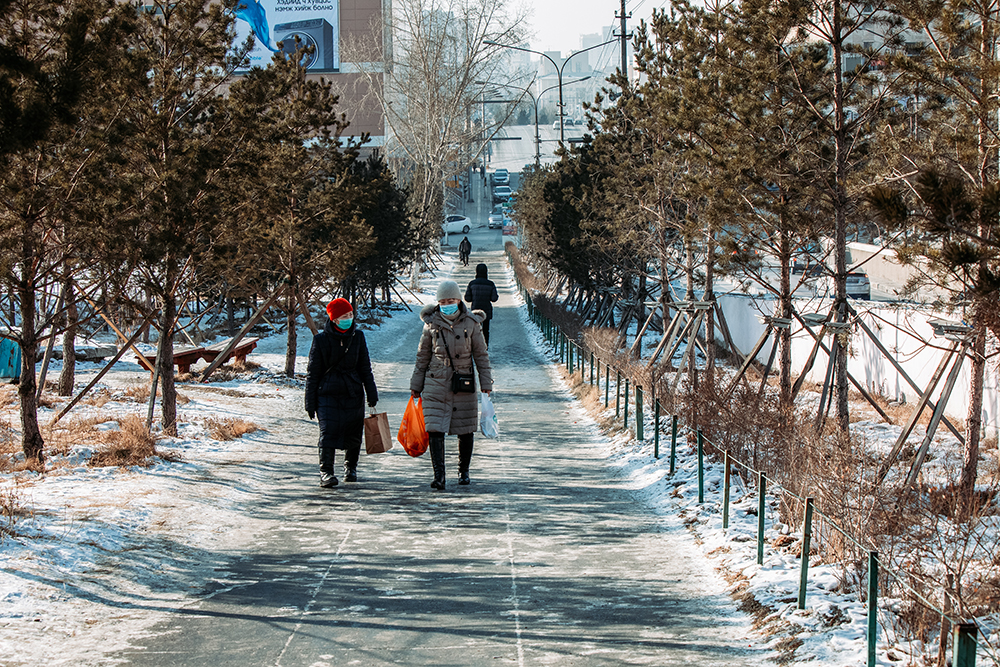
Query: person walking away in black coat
<point>338,378</point>
<point>464,250</point>
<point>482,294</point>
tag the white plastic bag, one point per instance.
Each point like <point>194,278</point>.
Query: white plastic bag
<point>488,423</point>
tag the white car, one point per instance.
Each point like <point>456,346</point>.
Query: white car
<point>858,285</point>
<point>457,224</point>
<point>501,193</point>
<point>497,220</point>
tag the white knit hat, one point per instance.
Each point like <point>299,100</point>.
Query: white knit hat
<point>448,289</point>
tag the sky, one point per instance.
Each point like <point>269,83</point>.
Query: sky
<point>558,24</point>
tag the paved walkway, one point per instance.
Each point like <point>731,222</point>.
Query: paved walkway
<point>546,559</point>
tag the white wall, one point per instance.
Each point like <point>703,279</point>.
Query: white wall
<point>902,330</point>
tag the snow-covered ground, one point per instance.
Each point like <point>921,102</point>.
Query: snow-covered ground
<point>100,554</point>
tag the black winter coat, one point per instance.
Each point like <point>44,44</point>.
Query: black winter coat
<point>481,293</point>
<point>349,379</point>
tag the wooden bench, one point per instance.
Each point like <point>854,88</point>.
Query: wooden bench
<point>183,358</point>
<point>239,353</point>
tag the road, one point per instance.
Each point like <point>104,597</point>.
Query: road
<point>547,558</point>
<point>518,147</point>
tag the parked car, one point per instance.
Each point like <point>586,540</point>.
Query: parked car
<point>555,124</point>
<point>501,193</point>
<point>501,177</point>
<point>457,224</point>
<point>496,220</point>
<point>858,285</point>
<point>809,261</point>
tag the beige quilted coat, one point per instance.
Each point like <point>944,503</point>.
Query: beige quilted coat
<point>444,411</point>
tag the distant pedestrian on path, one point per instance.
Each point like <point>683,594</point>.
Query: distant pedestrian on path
<point>452,339</point>
<point>464,250</point>
<point>482,294</point>
<point>338,377</point>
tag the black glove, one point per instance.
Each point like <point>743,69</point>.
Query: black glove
<point>371,404</point>
<point>311,413</point>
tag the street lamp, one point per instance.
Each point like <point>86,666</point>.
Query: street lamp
<point>558,68</point>
<point>534,101</point>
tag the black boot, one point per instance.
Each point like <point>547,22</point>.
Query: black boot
<point>464,457</point>
<point>351,464</point>
<point>436,447</point>
<point>326,457</point>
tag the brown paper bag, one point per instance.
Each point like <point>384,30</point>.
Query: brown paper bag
<point>377,437</point>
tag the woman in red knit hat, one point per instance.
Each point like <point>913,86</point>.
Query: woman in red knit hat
<point>339,376</point>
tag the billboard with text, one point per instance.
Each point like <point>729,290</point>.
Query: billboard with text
<point>276,24</point>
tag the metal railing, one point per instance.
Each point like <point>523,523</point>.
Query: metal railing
<point>572,354</point>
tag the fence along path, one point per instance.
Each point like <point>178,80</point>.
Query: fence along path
<point>577,359</point>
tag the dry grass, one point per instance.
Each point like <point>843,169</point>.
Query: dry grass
<point>76,431</point>
<point>524,274</point>
<point>229,428</point>
<point>7,443</point>
<point>12,508</point>
<point>131,445</point>
<point>138,393</point>
<point>224,391</point>
<point>97,399</point>
<point>8,396</point>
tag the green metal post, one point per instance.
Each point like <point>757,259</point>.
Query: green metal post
<point>872,606</point>
<point>656,428</point>
<point>626,404</point>
<point>804,559</point>
<point>638,413</point>
<point>725,493</point>
<point>569,355</point>
<point>673,444</point>
<point>618,393</point>
<point>591,369</point>
<point>964,645</point>
<point>701,468</point>
<point>761,505</point>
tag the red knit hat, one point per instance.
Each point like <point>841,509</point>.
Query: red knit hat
<point>337,308</point>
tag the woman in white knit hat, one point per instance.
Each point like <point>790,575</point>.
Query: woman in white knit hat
<point>452,352</point>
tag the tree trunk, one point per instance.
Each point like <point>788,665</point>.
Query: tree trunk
<point>841,202</point>
<point>689,269</point>
<point>168,389</point>
<point>292,337</point>
<point>974,416</point>
<point>784,335</point>
<point>710,318</point>
<point>31,440</point>
<point>68,374</point>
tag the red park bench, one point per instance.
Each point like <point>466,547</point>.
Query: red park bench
<point>240,352</point>
<point>185,357</point>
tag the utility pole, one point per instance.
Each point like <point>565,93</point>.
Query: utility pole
<point>625,36</point>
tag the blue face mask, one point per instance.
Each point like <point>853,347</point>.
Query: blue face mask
<point>450,309</point>
<point>345,323</point>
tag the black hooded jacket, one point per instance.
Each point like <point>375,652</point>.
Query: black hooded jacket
<point>339,366</point>
<point>482,292</point>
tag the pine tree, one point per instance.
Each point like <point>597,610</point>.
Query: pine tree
<point>182,148</point>
<point>951,84</point>
<point>62,66</point>
<point>302,229</point>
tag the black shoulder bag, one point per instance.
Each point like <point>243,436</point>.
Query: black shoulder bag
<point>461,383</point>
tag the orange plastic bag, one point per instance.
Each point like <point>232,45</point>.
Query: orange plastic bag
<point>412,433</point>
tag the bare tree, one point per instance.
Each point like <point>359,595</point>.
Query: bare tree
<point>428,63</point>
